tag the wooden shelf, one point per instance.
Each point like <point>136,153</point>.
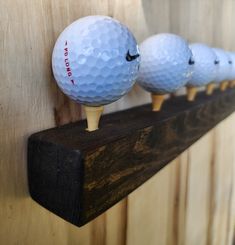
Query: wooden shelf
<point>78,175</point>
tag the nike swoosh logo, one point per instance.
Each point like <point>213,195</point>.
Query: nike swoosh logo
<point>191,62</point>
<point>130,57</point>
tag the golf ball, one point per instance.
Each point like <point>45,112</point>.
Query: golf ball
<point>95,60</point>
<point>166,64</point>
<point>223,67</point>
<point>205,66</point>
<point>232,61</point>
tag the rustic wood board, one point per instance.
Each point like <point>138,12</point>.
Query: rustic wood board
<point>78,175</point>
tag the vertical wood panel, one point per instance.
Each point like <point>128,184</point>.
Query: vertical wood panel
<point>198,198</point>
<point>194,20</point>
<point>223,208</point>
<point>151,208</point>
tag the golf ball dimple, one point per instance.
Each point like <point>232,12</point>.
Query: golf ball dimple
<point>95,60</point>
<point>205,66</point>
<point>224,67</point>
<point>166,64</point>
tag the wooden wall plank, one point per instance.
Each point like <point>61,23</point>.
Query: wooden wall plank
<point>223,208</point>
<point>197,211</point>
<point>150,207</point>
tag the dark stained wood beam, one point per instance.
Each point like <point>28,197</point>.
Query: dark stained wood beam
<point>78,174</point>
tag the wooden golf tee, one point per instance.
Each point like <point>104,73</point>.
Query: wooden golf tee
<point>232,84</point>
<point>210,88</point>
<point>157,101</point>
<point>93,117</point>
<point>191,93</point>
<point>224,85</point>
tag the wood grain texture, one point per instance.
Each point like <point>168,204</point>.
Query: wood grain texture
<point>223,206</point>
<point>29,98</point>
<point>80,177</point>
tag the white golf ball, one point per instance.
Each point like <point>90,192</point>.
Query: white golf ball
<point>95,60</point>
<point>205,66</point>
<point>166,64</point>
<point>232,62</point>
<point>223,67</point>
